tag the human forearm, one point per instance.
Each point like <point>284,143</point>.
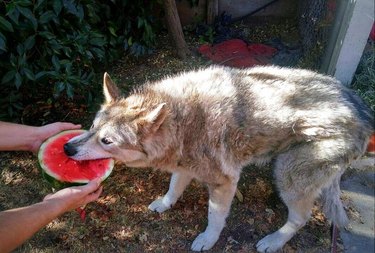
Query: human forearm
<point>18,225</point>
<point>29,138</point>
<point>17,137</point>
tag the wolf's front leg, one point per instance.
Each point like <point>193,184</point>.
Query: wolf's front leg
<point>218,209</point>
<point>179,182</point>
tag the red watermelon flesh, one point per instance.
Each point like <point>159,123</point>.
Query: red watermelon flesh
<point>56,164</point>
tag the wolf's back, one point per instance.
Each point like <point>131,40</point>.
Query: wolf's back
<point>270,101</point>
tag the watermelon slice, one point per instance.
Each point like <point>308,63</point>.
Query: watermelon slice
<point>61,171</point>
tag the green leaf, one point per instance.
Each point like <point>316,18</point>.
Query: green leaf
<point>57,6</point>
<point>40,74</point>
<point>69,90</point>
<point>55,46</point>
<point>9,7</point>
<point>68,69</point>
<point>140,22</point>
<point>8,76</point>
<point>24,2</point>
<point>38,4</point>
<point>17,106</point>
<point>89,54</point>
<point>59,87</point>
<point>97,42</point>
<point>71,7</point>
<point>5,25</point>
<point>46,17</point>
<point>53,74</point>
<point>81,13</point>
<point>98,52</point>
<point>3,43</point>
<point>18,80</point>
<point>47,35</point>
<point>29,42</point>
<point>22,59</point>
<point>67,51</point>
<point>56,63</point>
<point>13,60</point>
<point>112,31</point>
<point>65,62</point>
<point>29,74</point>
<point>20,49</point>
<point>12,12</point>
<point>29,15</point>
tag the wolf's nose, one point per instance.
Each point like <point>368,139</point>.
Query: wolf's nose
<point>69,149</point>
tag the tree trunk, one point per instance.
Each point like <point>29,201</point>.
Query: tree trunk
<point>175,29</point>
<point>212,11</point>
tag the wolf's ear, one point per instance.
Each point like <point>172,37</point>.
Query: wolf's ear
<point>154,118</point>
<point>110,90</point>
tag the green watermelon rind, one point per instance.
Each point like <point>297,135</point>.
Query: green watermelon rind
<point>52,178</point>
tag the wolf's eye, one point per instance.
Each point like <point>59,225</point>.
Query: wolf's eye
<point>106,141</point>
<point>92,126</point>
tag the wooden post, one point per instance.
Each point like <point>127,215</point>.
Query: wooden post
<point>212,11</point>
<point>175,29</point>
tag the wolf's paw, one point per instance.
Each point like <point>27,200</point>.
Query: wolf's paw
<point>159,205</point>
<point>204,241</point>
<point>270,243</point>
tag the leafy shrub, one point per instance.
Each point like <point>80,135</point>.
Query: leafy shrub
<point>55,47</point>
<point>364,78</point>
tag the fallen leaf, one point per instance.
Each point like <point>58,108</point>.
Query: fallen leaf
<point>239,196</point>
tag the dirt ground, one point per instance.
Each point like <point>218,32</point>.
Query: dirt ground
<point>120,221</point>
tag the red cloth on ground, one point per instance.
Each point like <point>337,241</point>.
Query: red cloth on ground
<point>236,53</point>
<point>372,33</point>
<point>371,145</point>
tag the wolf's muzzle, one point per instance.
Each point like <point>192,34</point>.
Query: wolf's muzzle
<point>69,149</point>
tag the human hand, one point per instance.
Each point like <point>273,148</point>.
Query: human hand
<point>44,132</point>
<point>73,197</point>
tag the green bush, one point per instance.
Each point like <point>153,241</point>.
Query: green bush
<point>56,47</point>
<point>364,78</point>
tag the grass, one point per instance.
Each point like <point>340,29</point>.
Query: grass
<point>364,79</point>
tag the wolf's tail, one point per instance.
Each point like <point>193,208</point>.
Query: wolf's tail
<point>332,205</point>
<point>365,117</point>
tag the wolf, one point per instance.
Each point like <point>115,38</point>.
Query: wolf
<point>208,124</point>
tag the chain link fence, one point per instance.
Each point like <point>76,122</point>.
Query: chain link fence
<point>315,20</point>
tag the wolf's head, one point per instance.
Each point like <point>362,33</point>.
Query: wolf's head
<point>120,128</point>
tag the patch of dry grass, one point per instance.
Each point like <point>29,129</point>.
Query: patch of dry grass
<point>120,221</point>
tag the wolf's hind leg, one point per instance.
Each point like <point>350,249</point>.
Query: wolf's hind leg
<point>301,174</point>
<point>298,213</point>
<point>221,197</point>
<point>179,182</point>
<point>332,205</point>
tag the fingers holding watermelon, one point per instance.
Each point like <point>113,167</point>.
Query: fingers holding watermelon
<point>44,132</point>
<point>78,182</point>
<point>73,197</point>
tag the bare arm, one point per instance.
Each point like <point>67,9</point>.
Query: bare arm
<point>18,225</point>
<point>28,138</point>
